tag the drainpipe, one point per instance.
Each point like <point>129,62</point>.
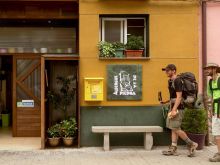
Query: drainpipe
<point>204,44</point>
<point>204,58</point>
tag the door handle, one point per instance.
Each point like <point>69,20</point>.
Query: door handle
<point>46,77</point>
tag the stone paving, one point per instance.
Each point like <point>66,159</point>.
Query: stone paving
<point>96,156</point>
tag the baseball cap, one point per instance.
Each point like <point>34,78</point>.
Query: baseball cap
<point>169,67</point>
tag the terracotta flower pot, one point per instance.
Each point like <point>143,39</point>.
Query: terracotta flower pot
<point>198,138</point>
<point>68,141</point>
<point>134,53</point>
<point>53,142</point>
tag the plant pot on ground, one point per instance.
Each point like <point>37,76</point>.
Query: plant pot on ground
<point>68,131</point>
<point>106,49</point>
<point>5,118</point>
<point>195,125</point>
<point>53,134</point>
<point>134,46</point>
<point>119,49</point>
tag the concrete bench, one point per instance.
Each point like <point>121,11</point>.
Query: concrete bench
<point>147,130</point>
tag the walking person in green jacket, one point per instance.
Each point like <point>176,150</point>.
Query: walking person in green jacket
<point>213,90</point>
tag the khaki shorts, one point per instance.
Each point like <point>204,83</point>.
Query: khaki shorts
<point>175,123</point>
<point>215,126</point>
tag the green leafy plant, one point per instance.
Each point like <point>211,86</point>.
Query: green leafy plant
<point>195,121</point>
<point>62,99</point>
<point>118,45</point>
<point>135,43</point>
<point>54,131</point>
<point>68,127</point>
<point>106,49</point>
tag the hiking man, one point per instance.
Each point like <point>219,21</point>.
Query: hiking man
<point>213,90</point>
<point>175,115</point>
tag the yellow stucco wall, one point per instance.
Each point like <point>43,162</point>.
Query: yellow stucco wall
<point>173,39</point>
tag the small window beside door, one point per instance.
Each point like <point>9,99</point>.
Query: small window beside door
<point>129,35</point>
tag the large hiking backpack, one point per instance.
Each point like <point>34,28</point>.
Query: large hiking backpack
<point>190,87</point>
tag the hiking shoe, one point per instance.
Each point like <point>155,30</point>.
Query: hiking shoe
<point>192,148</point>
<point>215,158</point>
<point>171,151</point>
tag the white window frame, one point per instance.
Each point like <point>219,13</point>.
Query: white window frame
<point>123,32</point>
<point>124,28</point>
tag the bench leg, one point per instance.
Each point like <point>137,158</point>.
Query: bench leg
<point>148,141</point>
<point>106,142</point>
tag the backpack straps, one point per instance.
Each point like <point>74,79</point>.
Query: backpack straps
<point>211,86</point>
<point>217,101</point>
<point>218,83</point>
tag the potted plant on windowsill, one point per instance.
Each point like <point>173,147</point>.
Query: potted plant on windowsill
<point>195,125</point>
<point>106,49</point>
<point>119,49</point>
<point>134,46</point>
<point>53,134</point>
<point>68,131</point>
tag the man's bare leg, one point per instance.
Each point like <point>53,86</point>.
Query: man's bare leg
<point>190,144</point>
<point>173,148</point>
<point>216,157</point>
<point>218,143</point>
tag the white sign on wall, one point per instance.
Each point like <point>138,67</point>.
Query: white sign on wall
<point>26,103</point>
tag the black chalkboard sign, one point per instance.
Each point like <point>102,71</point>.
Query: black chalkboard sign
<point>124,82</point>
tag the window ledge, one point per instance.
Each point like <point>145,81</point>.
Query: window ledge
<point>124,58</point>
